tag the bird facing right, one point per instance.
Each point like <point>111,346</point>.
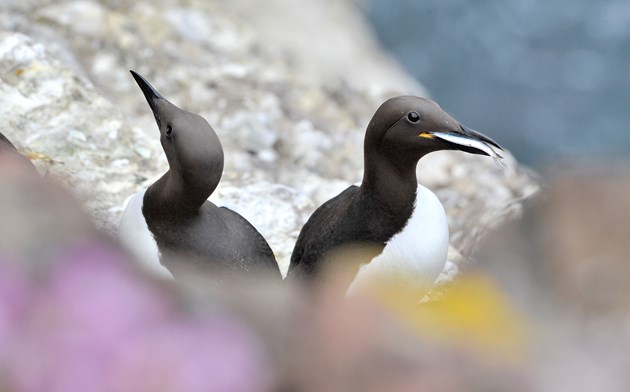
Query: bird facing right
<point>390,228</point>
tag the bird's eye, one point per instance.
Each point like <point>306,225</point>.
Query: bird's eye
<point>413,117</point>
<point>169,131</point>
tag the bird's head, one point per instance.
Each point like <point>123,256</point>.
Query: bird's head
<point>189,142</point>
<point>406,128</point>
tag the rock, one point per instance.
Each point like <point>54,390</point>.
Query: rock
<point>85,18</point>
<point>277,211</point>
<point>313,26</point>
<point>569,253</point>
<point>286,113</point>
<point>55,113</point>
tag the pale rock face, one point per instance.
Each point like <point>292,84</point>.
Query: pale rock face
<point>66,94</point>
<point>78,134</point>
<point>276,211</point>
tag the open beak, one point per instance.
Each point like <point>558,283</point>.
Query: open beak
<point>150,94</point>
<point>468,140</point>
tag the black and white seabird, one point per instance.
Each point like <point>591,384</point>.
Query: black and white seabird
<point>172,220</point>
<point>390,228</point>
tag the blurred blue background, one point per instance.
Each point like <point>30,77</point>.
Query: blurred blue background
<point>550,80</point>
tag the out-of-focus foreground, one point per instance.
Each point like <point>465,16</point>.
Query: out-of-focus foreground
<point>544,309</point>
<point>76,315</point>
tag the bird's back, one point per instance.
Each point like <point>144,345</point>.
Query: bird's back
<point>216,239</point>
<point>317,235</point>
<point>251,244</point>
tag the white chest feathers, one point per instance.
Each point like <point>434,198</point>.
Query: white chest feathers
<point>414,257</point>
<point>134,235</point>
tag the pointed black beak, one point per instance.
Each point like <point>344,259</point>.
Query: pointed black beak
<point>150,93</point>
<point>467,140</point>
<point>471,133</point>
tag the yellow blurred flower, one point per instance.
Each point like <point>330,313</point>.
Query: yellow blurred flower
<point>473,312</point>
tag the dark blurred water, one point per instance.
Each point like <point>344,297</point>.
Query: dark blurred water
<point>548,79</point>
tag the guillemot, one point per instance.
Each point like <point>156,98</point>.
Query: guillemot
<point>389,228</point>
<point>171,224</point>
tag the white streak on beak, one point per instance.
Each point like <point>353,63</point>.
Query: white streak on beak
<point>468,142</point>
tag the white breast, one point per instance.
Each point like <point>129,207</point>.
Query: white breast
<point>414,257</point>
<point>134,235</point>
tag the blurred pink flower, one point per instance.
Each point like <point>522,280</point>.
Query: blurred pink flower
<point>91,302</point>
<point>14,297</point>
<point>193,356</point>
<point>95,324</point>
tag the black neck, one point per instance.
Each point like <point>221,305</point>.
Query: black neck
<point>174,195</point>
<point>392,183</point>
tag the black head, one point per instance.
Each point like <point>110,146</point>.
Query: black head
<point>406,128</point>
<point>192,147</point>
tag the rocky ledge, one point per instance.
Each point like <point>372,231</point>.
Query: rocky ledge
<point>292,127</point>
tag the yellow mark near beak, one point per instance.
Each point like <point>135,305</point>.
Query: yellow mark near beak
<point>427,135</point>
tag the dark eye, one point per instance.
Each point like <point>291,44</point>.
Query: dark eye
<point>169,131</point>
<point>413,117</point>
